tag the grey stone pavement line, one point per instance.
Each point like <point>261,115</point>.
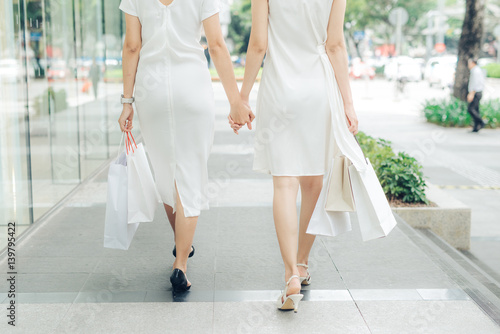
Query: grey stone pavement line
<point>69,283</point>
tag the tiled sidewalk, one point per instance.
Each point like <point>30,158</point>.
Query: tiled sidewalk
<point>69,283</point>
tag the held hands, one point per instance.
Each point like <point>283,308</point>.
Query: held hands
<point>126,117</point>
<point>351,118</point>
<point>241,114</point>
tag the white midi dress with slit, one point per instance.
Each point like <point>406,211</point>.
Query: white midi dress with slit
<point>174,97</point>
<point>300,119</point>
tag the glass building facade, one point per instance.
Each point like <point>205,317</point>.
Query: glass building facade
<point>60,83</point>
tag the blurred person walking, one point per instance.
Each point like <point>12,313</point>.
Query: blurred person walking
<point>165,62</point>
<point>296,134</point>
<point>476,86</point>
<point>95,74</point>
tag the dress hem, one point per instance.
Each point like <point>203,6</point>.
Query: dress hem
<point>267,171</point>
<point>193,212</point>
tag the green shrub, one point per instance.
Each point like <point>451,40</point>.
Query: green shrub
<point>492,70</point>
<point>380,69</point>
<point>400,175</point>
<point>402,178</point>
<point>58,100</point>
<point>453,112</point>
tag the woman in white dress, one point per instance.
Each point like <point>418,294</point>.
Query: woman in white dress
<point>297,129</point>
<point>165,62</point>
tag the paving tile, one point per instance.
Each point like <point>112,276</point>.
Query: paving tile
<point>313,317</point>
<point>325,278</point>
<point>385,294</point>
<point>88,248</point>
<point>136,264</point>
<point>252,219</point>
<point>133,318</point>
<point>257,193</point>
<point>379,255</point>
<point>51,282</point>
<point>379,261</point>
<point>437,317</point>
<point>232,280</point>
<point>246,263</point>
<point>245,295</point>
<point>256,248</point>
<point>192,295</point>
<point>125,280</point>
<point>219,162</point>
<point>36,318</point>
<point>397,279</point>
<point>444,175</point>
<point>272,295</point>
<point>326,295</point>
<point>56,264</point>
<point>45,297</point>
<point>108,296</point>
<point>443,294</point>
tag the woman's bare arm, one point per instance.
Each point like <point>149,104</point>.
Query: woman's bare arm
<point>337,53</point>
<point>257,46</point>
<point>240,114</point>
<point>130,59</point>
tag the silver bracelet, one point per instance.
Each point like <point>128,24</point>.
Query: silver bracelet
<point>127,100</point>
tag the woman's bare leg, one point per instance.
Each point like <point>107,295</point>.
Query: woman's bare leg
<point>171,215</point>
<point>285,221</point>
<point>184,234</point>
<point>310,187</point>
<point>171,218</point>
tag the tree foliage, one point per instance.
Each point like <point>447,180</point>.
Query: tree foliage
<point>360,15</point>
<point>241,23</point>
<point>363,14</point>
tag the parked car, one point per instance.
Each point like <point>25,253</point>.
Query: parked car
<point>440,71</point>
<point>485,61</point>
<point>421,62</point>
<point>403,67</point>
<point>58,69</point>
<point>10,70</point>
<point>360,70</point>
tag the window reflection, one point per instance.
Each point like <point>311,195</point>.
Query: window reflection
<point>60,83</point>
<point>15,187</point>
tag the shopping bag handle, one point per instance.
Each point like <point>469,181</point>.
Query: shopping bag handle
<point>128,143</point>
<point>131,136</point>
<point>120,145</point>
<point>130,147</point>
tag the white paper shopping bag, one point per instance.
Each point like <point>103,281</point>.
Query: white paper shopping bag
<point>143,197</point>
<point>340,196</point>
<point>118,234</point>
<point>374,213</point>
<point>328,223</point>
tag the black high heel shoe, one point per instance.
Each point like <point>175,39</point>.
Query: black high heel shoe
<point>174,252</point>
<point>179,280</point>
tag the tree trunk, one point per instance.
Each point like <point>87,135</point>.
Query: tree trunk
<point>469,44</point>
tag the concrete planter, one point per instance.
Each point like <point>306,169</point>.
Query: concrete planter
<point>451,219</point>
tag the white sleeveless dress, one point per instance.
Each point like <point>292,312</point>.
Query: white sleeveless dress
<point>300,119</point>
<point>174,97</point>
